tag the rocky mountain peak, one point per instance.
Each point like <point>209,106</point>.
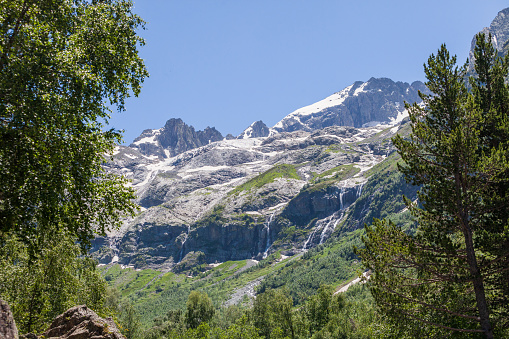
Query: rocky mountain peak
<point>499,30</point>
<point>378,101</point>
<point>174,138</point>
<point>208,135</point>
<point>257,130</point>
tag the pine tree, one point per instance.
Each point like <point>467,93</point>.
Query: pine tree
<point>451,275</point>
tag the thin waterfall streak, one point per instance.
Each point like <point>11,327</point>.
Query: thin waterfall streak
<point>267,246</point>
<point>359,190</point>
<point>183,243</point>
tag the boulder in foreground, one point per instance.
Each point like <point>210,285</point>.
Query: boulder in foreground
<point>80,322</point>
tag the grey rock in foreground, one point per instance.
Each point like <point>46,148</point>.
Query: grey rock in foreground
<point>8,329</point>
<point>80,322</point>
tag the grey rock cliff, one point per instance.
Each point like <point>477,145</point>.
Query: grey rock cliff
<point>174,138</point>
<point>499,30</point>
<point>363,104</point>
<point>257,130</point>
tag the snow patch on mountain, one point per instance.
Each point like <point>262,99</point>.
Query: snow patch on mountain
<point>399,118</point>
<point>151,139</point>
<point>378,101</point>
<point>248,133</point>
<point>256,130</point>
<point>331,101</point>
<point>360,89</point>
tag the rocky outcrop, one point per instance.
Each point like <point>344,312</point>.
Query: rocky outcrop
<point>499,30</point>
<point>80,322</point>
<point>8,329</point>
<point>208,135</point>
<point>178,137</point>
<point>174,138</point>
<point>257,130</point>
<point>317,204</point>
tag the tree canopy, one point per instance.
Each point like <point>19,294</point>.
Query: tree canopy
<point>199,309</point>
<point>64,64</point>
<point>451,277</point>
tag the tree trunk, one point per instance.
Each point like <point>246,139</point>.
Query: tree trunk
<point>477,281</point>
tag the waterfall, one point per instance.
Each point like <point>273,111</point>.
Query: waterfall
<point>324,232</point>
<point>359,190</point>
<point>336,218</point>
<point>309,239</point>
<point>267,246</point>
<point>341,198</point>
<point>184,242</point>
<point>323,225</point>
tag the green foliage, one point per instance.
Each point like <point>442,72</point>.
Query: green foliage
<point>278,171</point>
<point>319,314</point>
<point>338,173</point>
<point>321,306</point>
<point>382,195</point>
<point>272,314</point>
<point>62,65</point>
<point>130,321</point>
<point>214,217</point>
<point>199,309</point>
<point>320,265</point>
<point>328,178</point>
<point>42,287</point>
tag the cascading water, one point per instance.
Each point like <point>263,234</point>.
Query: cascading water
<point>359,190</point>
<point>332,220</point>
<point>267,246</point>
<point>341,198</point>
<point>325,229</point>
<point>183,243</point>
<point>304,248</point>
<point>328,225</point>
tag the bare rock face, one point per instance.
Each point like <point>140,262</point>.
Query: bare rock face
<point>8,329</point>
<point>499,30</point>
<point>80,322</point>
<point>362,104</point>
<point>174,138</point>
<point>257,130</point>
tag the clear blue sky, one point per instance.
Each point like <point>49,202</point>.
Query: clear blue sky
<point>227,63</point>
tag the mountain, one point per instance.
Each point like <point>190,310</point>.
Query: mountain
<point>322,170</point>
<point>257,130</point>
<point>271,208</point>
<point>246,198</point>
<point>174,138</point>
<point>499,30</point>
<point>377,101</point>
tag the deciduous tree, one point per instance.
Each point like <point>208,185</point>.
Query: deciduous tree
<point>199,309</point>
<point>40,288</point>
<point>63,64</point>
